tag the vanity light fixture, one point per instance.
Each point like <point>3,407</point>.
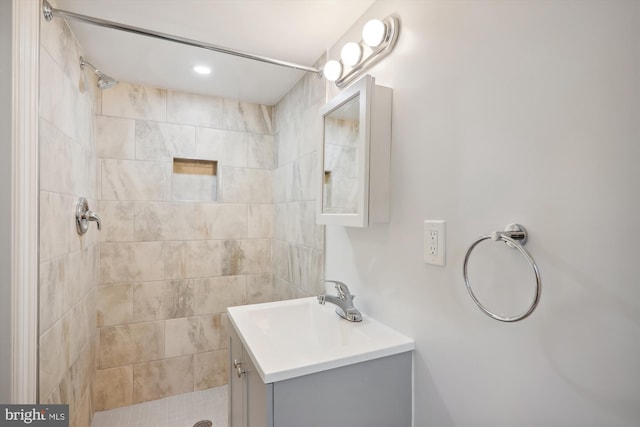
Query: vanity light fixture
<point>373,32</point>
<point>378,40</point>
<point>332,70</point>
<point>351,54</point>
<point>202,69</point>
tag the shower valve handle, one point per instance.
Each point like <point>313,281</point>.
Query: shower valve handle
<point>84,215</point>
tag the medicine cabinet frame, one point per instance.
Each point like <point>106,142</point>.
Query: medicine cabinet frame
<point>373,155</point>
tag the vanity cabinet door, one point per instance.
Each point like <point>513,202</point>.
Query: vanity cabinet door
<point>259,399</point>
<point>237,384</point>
<point>250,400</point>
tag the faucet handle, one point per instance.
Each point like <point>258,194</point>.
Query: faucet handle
<point>341,288</point>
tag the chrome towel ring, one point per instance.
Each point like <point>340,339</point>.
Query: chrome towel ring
<point>515,236</point>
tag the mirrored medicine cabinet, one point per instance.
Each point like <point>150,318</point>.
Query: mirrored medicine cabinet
<point>355,156</point>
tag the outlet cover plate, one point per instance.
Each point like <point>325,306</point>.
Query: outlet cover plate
<point>435,242</point>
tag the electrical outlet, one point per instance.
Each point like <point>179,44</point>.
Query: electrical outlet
<point>434,242</point>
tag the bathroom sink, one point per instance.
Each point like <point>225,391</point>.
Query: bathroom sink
<point>287,339</point>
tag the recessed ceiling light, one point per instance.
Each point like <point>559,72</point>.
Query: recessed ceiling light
<point>202,69</point>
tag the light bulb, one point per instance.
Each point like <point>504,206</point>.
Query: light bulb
<point>332,70</point>
<point>202,69</point>
<point>351,54</point>
<point>374,32</point>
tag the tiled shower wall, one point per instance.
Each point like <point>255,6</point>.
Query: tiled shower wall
<point>68,262</point>
<point>298,247</point>
<point>170,267</point>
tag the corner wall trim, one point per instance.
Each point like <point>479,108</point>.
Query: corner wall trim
<point>24,201</point>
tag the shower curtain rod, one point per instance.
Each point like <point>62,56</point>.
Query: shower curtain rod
<point>49,12</point>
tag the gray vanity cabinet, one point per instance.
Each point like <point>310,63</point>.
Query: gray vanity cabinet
<point>249,398</point>
<point>374,393</point>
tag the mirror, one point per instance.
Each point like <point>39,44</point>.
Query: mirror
<point>356,136</point>
<point>341,134</point>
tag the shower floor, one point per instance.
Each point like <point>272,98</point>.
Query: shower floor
<point>183,410</point>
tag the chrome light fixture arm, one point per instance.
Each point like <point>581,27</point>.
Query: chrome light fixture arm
<point>392,25</point>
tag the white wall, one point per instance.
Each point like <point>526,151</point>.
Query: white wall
<point>511,111</point>
<point>5,200</point>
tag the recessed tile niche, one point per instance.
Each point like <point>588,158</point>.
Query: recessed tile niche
<point>194,180</point>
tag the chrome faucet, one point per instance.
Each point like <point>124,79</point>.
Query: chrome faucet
<point>344,302</point>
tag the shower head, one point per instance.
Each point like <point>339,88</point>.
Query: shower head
<point>104,81</point>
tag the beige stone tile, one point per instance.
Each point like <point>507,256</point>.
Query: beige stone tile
<point>56,173</point>
<point>214,294</point>
<point>81,375</point>
<point>313,129</point>
<point>60,395</point>
<point>57,224</point>
<point>247,117</point>
<point>246,257</point>
<point>82,415</point>
<point>58,40</point>
<point>163,300</point>
<point>115,138</point>
<point>221,221</point>
<point>135,102</point>
<point>162,141</point>
<point>97,99</point>
<point>134,343</point>
<point>283,183</point>
<point>76,382</point>
<point>133,180</point>
<point>193,335</point>
<point>306,269</point>
<point>287,148</point>
<point>81,164</point>
<point>191,109</point>
<point>117,221</point>
<point>261,152</point>
<point>53,290</point>
<point>114,305</point>
<point>211,369</point>
<point>261,221</point>
<point>56,103</point>
<point>80,324</point>
<point>280,260</point>
<point>229,148</point>
<point>53,357</point>
<point>98,180</point>
<point>313,284</point>
<point>241,185</point>
<point>174,257</point>
<point>224,331</point>
<point>194,187</point>
<point>162,378</point>
<point>295,223</point>
<point>81,275</point>
<point>113,388</point>
<point>73,387</point>
<point>305,178</point>
<point>131,262</point>
<point>204,258</point>
<point>260,288</point>
<point>284,290</point>
<point>164,221</point>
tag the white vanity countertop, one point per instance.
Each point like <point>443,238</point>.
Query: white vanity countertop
<point>288,339</point>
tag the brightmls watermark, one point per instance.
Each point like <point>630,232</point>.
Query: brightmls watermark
<point>36,415</point>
